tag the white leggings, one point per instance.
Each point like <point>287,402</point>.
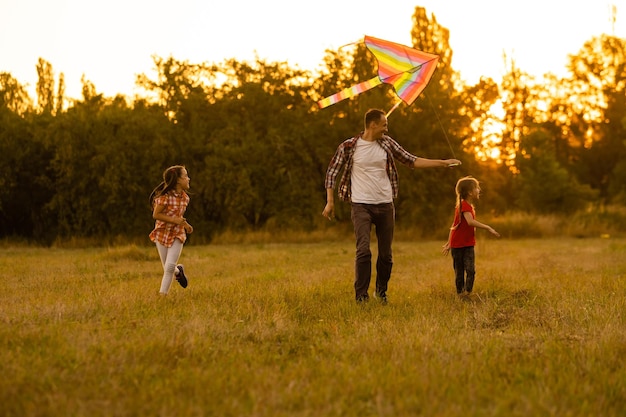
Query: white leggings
<point>169,259</point>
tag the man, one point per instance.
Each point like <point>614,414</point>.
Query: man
<point>370,184</point>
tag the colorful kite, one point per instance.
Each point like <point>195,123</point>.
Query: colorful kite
<point>406,69</point>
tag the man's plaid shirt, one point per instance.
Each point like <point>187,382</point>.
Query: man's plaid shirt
<point>343,157</point>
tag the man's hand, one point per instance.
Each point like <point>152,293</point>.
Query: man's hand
<point>329,211</point>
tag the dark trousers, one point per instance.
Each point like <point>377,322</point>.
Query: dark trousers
<point>382,216</point>
<point>463,261</point>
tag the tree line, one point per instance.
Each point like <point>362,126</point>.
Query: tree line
<point>257,146</point>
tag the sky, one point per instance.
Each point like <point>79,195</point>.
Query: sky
<point>110,42</point>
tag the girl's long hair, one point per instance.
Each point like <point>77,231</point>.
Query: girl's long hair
<point>170,179</point>
<point>464,186</point>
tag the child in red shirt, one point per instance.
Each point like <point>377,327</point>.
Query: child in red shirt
<point>462,239</point>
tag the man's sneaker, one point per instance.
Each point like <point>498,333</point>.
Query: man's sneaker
<point>181,278</point>
<point>382,298</point>
<point>362,299</point>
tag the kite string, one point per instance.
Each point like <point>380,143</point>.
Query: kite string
<point>351,43</point>
<point>441,124</point>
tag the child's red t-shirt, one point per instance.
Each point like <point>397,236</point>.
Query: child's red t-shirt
<point>464,235</point>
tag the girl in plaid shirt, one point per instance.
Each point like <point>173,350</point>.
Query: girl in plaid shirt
<point>169,201</point>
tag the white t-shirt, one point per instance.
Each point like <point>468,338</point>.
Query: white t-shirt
<point>370,182</point>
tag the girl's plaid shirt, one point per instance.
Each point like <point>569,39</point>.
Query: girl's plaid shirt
<point>343,157</point>
<point>175,205</point>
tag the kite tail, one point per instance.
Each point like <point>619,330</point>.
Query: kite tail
<point>349,92</point>
<point>395,106</point>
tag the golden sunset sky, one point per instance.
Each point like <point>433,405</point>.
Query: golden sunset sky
<point>112,41</point>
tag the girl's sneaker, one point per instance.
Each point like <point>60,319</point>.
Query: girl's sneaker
<point>181,278</point>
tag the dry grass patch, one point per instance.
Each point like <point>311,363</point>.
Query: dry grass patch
<point>272,330</point>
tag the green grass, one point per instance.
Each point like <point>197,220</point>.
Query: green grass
<point>273,330</point>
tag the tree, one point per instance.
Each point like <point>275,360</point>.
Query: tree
<point>543,185</point>
<point>13,95</point>
<point>26,183</point>
<point>108,157</point>
<point>45,87</point>
<point>60,98</point>
<point>176,81</point>
<point>257,157</point>
<point>599,76</point>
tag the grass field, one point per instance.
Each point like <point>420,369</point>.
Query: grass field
<point>273,330</point>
